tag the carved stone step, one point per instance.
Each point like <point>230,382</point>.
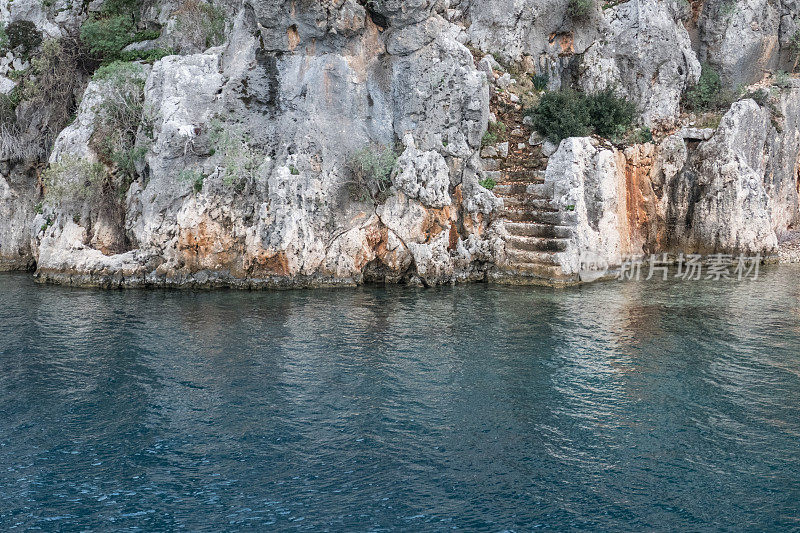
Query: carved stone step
<point>529,203</point>
<point>534,190</point>
<point>549,273</point>
<point>555,218</point>
<point>547,231</point>
<point>527,176</point>
<point>525,257</point>
<point>536,244</point>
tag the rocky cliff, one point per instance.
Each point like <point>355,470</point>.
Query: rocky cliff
<point>329,142</point>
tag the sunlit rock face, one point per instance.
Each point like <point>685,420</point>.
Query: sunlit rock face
<point>246,178</point>
<point>338,142</point>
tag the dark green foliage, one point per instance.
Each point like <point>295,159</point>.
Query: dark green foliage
<point>761,96</point>
<point>115,27</point>
<point>105,38</point>
<point>641,136</point>
<point>146,35</point>
<point>540,81</point>
<point>610,115</point>
<point>118,119</point>
<point>23,34</point>
<point>707,94</point>
<point>495,134</point>
<point>3,39</point>
<point>794,49</point>
<point>579,9</point>
<point>488,139</point>
<point>488,183</point>
<point>193,177</point>
<point>561,114</point>
<point>148,56</point>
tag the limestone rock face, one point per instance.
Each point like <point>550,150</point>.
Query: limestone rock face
<point>248,159</point>
<point>337,142</point>
<point>725,199</point>
<point>18,197</point>
<point>640,47</point>
<point>648,55</point>
<point>590,183</point>
<point>745,38</point>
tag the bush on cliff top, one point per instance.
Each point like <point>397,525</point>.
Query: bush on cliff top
<point>562,114</point>
<point>707,94</point>
<point>105,37</point>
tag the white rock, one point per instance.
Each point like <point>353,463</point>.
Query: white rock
<point>505,81</point>
<point>502,149</point>
<point>548,148</point>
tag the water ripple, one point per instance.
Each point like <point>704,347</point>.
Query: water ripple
<point>614,406</point>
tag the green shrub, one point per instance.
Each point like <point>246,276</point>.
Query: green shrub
<point>73,179</point>
<point>147,56</point>
<point>794,49</point>
<point>495,134</point>
<point>540,81</point>
<point>120,73</point>
<point>783,80</point>
<point>641,136</point>
<point>610,115</point>
<point>23,34</point>
<point>707,94</point>
<point>118,118</point>
<point>122,7</point>
<point>579,9</point>
<point>146,35</point>
<point>4,42</point>
<point>561,114</point>
<point>371,170</point>
<point>106,37</point>
<point>488,183</point>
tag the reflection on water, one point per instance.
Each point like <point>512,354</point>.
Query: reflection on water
<point>615,406</point>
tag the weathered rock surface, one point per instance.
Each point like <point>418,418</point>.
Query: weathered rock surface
<point>250,143</point>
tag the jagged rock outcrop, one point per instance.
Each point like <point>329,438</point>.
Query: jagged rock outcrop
<point>744,39</point>
<point>337,142</point>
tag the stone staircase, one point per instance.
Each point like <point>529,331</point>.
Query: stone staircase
<point>537,230</point>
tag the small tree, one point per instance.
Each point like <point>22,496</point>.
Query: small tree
<point>23,34</point>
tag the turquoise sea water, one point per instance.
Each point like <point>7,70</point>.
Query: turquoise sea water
<point>617,406</point>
